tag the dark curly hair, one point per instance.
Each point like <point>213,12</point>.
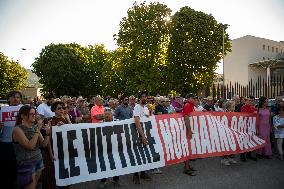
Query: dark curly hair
<point>262,100</point>
<point>55,104</point>
<point>24,110</point>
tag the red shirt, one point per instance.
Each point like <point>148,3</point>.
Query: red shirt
<point>96,110</point>
<point>248,109</point>
<point>188,108</point>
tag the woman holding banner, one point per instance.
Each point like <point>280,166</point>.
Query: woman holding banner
<point>59,119</point>
<point>27,140</point>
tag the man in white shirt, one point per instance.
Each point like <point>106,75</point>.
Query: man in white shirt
<point>197,105</point>
<point>140,111</point>
<point>44,109</point>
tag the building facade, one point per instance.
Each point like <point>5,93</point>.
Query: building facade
<point>253,58</point>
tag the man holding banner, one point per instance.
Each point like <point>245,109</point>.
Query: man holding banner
<point>248,108</point>
<point>141,110</point>
<point>187,110</point>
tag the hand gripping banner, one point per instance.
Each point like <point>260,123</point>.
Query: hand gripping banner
<point>86,151</point>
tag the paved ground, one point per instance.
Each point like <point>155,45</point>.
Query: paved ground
<point>262,174</point>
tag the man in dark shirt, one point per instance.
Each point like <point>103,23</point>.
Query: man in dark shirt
<point>124,111</point>
<point>238,103</point>
<point>161,107</point>
<point>209,104</point>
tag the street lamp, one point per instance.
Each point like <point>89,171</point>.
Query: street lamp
<point>223,53</point>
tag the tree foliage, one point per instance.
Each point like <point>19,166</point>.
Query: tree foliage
<point>157,52</point>
<point>195,47</point>
<point>70,69</point>
<point>12,75</point>
<point>143,36</point>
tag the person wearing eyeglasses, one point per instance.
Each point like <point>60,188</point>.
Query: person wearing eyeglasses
<point>59,119</point>
<point>123,111</point>
<point>73,112</point>
<point>161,107</point>
<point>84,110</point>
<point>169,107</point>
<point>27,140</point>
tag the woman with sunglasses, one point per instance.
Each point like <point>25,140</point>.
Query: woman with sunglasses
<point>27,140</point>
<point>59,119</point>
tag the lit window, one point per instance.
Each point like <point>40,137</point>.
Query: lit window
<point>276,50</point>
<point>268,48</point>
<point>263,47</point>
<point>272,49</point>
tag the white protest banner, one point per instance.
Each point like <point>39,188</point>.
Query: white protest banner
<point>86,152</point>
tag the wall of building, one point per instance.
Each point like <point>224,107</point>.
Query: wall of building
<point>246,50</point>
<point>31,92</point>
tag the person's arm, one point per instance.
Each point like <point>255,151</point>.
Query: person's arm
<point>277,123</point>
<point>97,115</point>
<point>44,141</point>
<point>186,122</point>
<point>40,110</point>
<point>21,138</point>
<point>100,116</point>
<point>117,112</point>
<point>140,129</point>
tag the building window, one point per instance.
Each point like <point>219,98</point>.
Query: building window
<point>268,48</point>
<point>263,58</point>
<point>263,47</point>
<point>276,50</point>
<point>272,49</point>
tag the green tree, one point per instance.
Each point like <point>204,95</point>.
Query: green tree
<point>12,75</point>
<point>195,48</point>
<point>143,35</point>
<point>70,69</point>
<point>98,57</point>
<point>112,74</point>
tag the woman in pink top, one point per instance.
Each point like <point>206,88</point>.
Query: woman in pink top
<point>264,128</point>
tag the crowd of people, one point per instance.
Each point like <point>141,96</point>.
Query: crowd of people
<point>27,148</point>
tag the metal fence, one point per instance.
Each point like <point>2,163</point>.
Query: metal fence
<point>269,87</point>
